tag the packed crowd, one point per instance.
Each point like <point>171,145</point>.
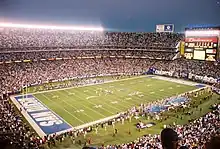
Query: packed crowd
<point>14,133</point>
<point>217,85</point>
<point>202,68</point>
<point>15,75</point>
<point>74,53</point>
<point>21,38</point>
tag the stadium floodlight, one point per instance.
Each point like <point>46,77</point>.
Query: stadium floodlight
<point>75,28</point>
<point>202,33</point>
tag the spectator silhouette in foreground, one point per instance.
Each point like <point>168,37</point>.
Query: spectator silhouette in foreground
<point>183,147</point>
<point>214,143</point>
<point>169,139</point>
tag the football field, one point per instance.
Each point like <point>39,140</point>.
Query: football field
<point>81,105</point>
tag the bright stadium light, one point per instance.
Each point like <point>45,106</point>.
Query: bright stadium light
<point>76,28</point>
<point>202,33</point>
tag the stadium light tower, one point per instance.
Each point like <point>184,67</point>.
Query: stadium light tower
<point>75,28</point>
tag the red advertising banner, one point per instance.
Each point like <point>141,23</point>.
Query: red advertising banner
<point>211,39</point>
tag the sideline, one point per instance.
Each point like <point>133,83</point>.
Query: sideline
<point>179,81</point>
<point>92,84</point>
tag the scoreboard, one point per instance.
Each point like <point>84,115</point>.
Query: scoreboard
<point>202,43</point>
<point>201,48</point>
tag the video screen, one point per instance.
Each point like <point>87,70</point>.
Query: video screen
<point>199,55</point>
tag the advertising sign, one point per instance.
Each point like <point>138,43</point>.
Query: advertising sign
<point>165,28</point>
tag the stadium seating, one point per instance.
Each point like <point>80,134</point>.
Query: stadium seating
<point>13,38</point>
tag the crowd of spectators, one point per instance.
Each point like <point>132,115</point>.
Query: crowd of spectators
<point>217,85</point>
<point>15,75</point>
<point>202,68</point>
<point>14,133</point>
<point>21,38</point>
<point>74,53</point>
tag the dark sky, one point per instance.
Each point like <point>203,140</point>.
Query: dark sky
<point>119,15</point>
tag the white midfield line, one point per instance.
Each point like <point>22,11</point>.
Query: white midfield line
<point>63,108</point>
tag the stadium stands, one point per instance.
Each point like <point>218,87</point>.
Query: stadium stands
<point>25,38</point>
<point>14,75</point>
<point>74,53</point>
<point>35,56</point>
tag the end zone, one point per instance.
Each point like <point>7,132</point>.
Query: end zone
<point>40,117</point>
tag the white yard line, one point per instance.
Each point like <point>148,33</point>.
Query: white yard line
<point>120,100</point>
<point>97,122</point>
<point>76,109</point>
<point>107,104</point>
<point>88,85</point>
<point>63,108</point>
<point>86,106</point>
<point>100,103</point>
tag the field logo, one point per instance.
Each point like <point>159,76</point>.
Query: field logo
<point>46,120</point>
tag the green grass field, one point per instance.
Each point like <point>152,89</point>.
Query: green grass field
<point>105,136</point>
<point>82,105</point>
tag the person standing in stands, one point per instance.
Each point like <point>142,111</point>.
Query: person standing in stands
<point>169,139</point>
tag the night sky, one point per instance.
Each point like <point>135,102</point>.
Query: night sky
<point>114,15</point>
